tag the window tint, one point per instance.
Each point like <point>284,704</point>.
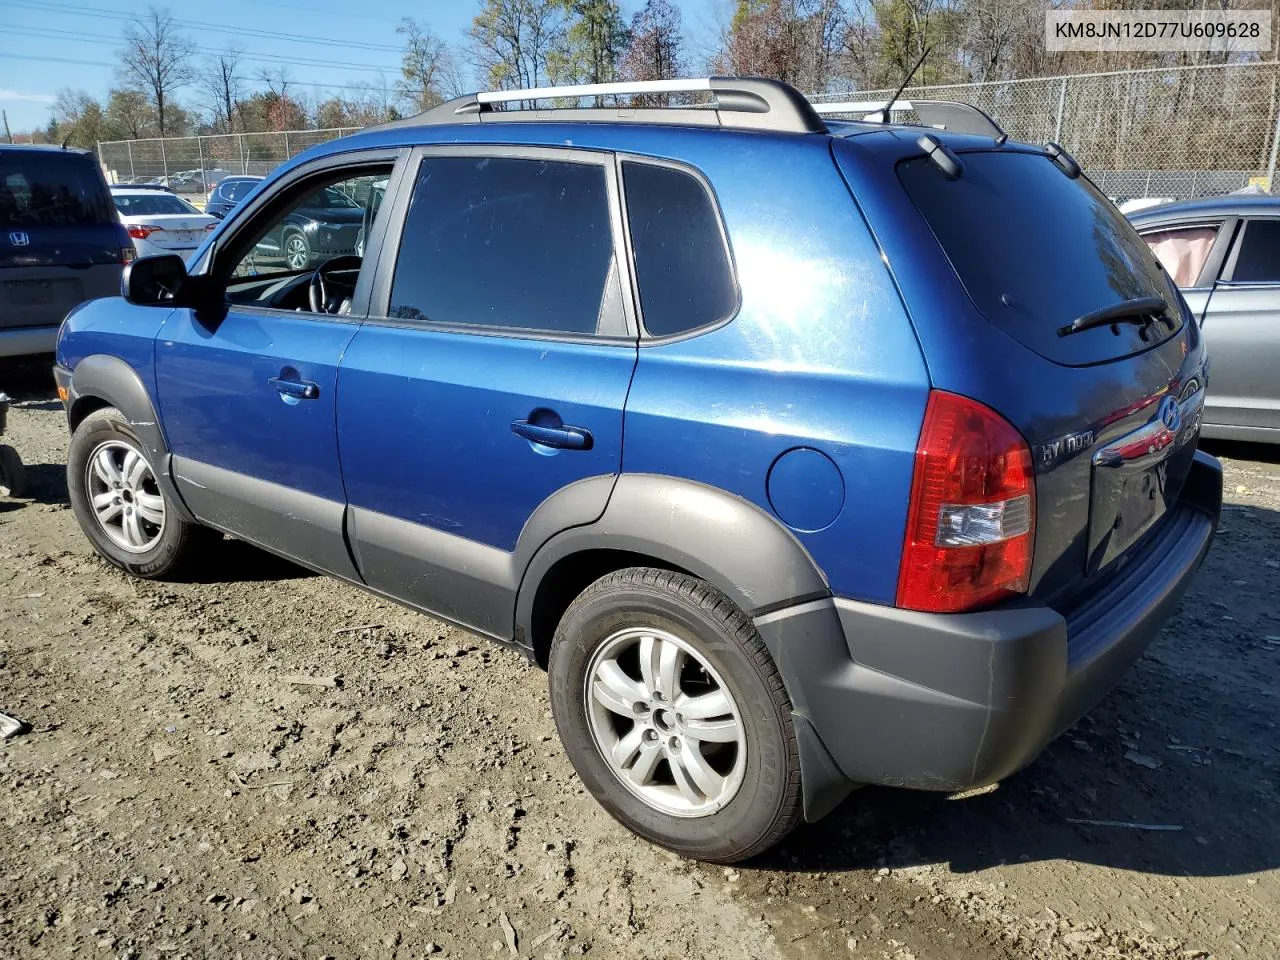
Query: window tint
<point>1259,260</point>
<point>682,266</point>
<point>50,189</point>
<point>1036,249</point>
<point>505,242</point>
<point>1182,251</point>
<point>151,204</point>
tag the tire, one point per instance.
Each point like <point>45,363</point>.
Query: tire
<point>164,541</point>
<point>296,249</point>
<point>13,475</point>
<point>739,727</point>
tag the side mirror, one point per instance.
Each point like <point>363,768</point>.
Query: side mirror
<point>154,281</point>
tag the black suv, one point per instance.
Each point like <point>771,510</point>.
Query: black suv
<point>60,242</point>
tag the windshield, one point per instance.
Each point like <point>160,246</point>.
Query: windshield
<point>51,189</point>
<point>1036,250</point>
<point>151,204</point>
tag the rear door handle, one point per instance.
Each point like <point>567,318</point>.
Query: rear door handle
<point>562,438</point>
<point>301,389</point>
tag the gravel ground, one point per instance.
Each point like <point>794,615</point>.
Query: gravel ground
<point>266,763</point>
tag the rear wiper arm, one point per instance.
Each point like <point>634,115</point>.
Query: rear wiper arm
<point>1139,310</point>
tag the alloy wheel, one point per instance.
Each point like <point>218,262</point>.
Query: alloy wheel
<point>665,722</point>
<point>124,496</point>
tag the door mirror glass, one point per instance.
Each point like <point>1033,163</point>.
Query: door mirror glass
<point>154,281</point>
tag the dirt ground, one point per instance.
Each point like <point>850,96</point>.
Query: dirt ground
<point>267,763</point>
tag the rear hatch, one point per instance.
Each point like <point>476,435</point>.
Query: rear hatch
<point>997,266</point>
<point>60,241</point>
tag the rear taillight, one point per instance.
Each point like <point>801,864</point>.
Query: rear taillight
<point>140,231</point>
<point>210,227</point>
<point>971,523</point>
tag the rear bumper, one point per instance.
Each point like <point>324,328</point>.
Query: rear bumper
<point>22,341</point>
<point>953,701</point>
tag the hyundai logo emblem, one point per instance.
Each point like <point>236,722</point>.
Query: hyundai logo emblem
<point>1170,415</point>
<point>19,239</point>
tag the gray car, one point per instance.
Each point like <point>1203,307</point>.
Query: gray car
<point>1224,255</point>
<point>61,242</point>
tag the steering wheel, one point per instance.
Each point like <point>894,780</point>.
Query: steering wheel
<point>326,292</point>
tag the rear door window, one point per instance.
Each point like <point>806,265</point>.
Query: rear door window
<point>1182,251</point>
<point>1258,259</point>
<point>507,242</point>
<point>1036,250</point>
<point>51,189</point>
<point>682,264</point>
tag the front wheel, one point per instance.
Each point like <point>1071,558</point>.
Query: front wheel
<point>118,502</point>
<point>674,715</point>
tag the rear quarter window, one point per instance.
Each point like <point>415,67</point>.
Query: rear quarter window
<point>52,189</point>
<point>682,265</point>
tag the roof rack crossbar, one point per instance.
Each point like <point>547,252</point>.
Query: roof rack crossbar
<point>744,103</point>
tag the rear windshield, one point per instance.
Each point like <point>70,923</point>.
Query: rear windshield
<point>51,189</point>
<point>237,189</point>
<point>1036,250</point>
<point>151,204</point>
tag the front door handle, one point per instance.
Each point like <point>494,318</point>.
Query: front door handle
<point>561,438</point>
<point>299,389</point>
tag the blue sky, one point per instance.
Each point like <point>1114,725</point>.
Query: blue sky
<point>46,45</point>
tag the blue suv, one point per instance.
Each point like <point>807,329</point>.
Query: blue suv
<point>803,453</point>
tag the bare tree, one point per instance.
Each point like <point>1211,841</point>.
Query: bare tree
<point>513,39</point>
<point>656,50</point>
<point>276,80</point>
<point>425,65</point>
<point>157,59</point>
<point>222,84</point>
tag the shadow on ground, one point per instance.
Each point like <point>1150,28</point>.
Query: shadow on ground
<point>28,378</point>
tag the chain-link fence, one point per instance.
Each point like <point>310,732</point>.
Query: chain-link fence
<point>192,165</point>
<point>1180,132</point>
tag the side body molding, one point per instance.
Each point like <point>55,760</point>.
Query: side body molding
<point>111,380</point>
<point>723,539</point>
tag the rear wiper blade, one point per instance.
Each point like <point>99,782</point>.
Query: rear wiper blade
<point>1140,310</point>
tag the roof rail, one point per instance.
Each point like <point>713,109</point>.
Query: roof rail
<point>744,103</point>
<point>950,115</point>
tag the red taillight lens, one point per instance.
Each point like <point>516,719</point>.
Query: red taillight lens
<point>141,231</point>
<point>210,227</point>
<point>971,524</point>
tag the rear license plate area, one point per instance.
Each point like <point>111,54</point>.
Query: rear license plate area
<point>1137,479</point>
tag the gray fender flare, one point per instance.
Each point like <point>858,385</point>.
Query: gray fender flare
<point>732,544</point>
<point>727,541</point>
<point>117,384</point>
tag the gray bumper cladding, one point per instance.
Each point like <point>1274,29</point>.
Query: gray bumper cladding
<point>952,701</point>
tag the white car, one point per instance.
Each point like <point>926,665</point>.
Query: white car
<point>160,222</point>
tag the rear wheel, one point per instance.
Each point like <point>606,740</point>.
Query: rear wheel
<point>674,715</point>
<point>118,502</point>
